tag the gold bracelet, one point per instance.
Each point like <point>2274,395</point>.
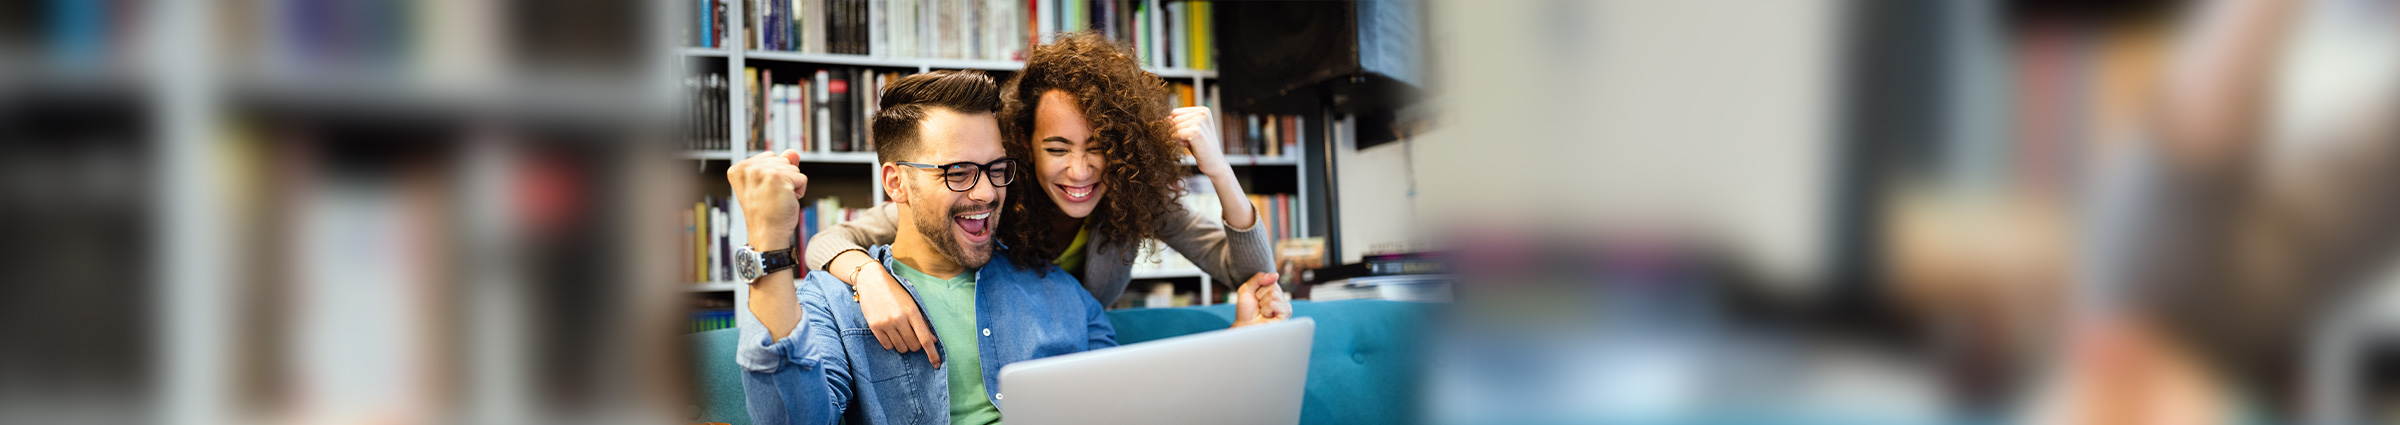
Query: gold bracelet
<point>854,278</point>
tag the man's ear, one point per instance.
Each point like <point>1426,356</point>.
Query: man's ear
<point>893,191</point>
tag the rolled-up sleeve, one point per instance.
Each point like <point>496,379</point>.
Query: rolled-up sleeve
<point>1225,253</point>
<point>801,378</point>
<point>761,352</point>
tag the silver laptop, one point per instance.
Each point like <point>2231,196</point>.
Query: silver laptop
<point>1249,375</point>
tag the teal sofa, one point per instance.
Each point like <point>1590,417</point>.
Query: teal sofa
<point>1363,368</point>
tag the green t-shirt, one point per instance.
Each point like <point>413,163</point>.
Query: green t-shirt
<point>950,310</point>
<point>1072,259</point>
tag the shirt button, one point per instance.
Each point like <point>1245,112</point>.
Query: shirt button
<point>987,331</point>
<point>997,396</point>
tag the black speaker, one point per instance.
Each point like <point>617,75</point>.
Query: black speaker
<point>1305,56</point>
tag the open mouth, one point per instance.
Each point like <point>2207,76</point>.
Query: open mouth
<point>1077,193</point>
<point>977,226</point>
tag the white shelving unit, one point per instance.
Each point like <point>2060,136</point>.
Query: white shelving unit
<point>736,58</point>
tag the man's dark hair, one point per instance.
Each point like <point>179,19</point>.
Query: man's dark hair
<point>906,102</point>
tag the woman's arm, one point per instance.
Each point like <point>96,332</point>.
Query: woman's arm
<point>1196,129</point>
<point>874,227</point>
<point>1229,255</point>
<point>890,311</point>
<point>1234,252</point>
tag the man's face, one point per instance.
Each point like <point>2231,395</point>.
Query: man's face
<point>958,224</point>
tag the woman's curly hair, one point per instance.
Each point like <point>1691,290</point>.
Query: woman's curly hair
<point>1127,109</point>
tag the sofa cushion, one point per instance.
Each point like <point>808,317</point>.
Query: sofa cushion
<point>1363,367</point>
<point>717,381</point>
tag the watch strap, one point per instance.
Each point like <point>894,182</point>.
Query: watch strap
<point>775,261</point>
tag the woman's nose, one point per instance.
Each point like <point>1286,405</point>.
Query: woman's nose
<point>1082,167</point>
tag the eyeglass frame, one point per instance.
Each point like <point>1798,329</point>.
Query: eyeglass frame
<point>983,172</point>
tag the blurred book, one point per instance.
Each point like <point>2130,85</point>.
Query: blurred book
<point>1412,288</point>
<point>1405,276</point>
<point>703,122</point>
<point>939,29</point>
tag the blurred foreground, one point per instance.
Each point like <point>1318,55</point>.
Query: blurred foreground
<point>2145,212</point>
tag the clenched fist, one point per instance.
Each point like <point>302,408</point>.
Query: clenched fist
<point>768,187</point>
<point>1195,128</point>
<point>1260,301</point>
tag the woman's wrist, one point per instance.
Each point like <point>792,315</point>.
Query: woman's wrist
<point>847,265</point>
<point>1216,169</point>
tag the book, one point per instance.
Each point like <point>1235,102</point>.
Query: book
<point>812,25</point>
<point>839,102</point>
<point>750,104</point>
<point>1202,32</point>
<point>1412,288</point>
<point>823,110</point>
<point>702,124</point>
<point>1178,29</point>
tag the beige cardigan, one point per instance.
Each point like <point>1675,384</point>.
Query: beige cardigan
<point>1228,255</point>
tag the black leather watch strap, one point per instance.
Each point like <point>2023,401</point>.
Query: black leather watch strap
<point>777,260</point>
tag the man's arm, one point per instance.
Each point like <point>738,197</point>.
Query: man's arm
<point>768,187</point>
<point>800,378</point>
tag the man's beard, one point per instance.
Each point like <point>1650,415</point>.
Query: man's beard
<point>937,230</point>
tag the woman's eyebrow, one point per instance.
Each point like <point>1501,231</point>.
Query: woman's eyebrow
<point>1058,139</point>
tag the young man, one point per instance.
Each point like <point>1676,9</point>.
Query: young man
<point>809,354</point>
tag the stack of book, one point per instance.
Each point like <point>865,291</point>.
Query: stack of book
<point>1182,94</point>
<point>946,29</point>
<point>710,314</point>
<point>702,124</point>
<point>1414,276</point>
<point>828,110</point>
<point>705,23</point>
<point>1244,134</point>
<point>823,214</point>
<point>1275,215</point>
<point>1178,34</point>
<point>1264,135</point>
<point>708,228</point>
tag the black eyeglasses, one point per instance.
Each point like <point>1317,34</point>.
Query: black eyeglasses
<point>961,175</point>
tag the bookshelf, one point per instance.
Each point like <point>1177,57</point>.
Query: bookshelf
<point>850,175</point>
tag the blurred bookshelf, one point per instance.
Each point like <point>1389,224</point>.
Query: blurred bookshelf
<point>770,75</point>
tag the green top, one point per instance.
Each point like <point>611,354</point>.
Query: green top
<point>950,310</point>
<point>1072,259</point>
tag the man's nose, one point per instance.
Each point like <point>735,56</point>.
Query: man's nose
<point>983,191</point>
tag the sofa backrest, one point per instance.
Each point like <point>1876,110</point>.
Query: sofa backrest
<point>1364,367</point>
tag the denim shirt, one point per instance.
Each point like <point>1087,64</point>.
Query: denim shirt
<point>830,366</point>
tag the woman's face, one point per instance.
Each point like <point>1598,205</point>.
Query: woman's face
<point>1066,161</point>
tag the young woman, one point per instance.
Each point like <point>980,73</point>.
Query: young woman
<point>1104,150</point>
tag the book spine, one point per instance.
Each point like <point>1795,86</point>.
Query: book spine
<point>821,102</point>
<point>1178,32</point>
<point>800,121</point>
<point>838,92</point>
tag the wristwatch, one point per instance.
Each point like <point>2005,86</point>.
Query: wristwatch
<point>753,264</point>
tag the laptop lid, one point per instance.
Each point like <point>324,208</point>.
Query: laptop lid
<point>1249,375</point>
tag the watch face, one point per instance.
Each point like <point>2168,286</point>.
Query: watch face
<point>746,261</point>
